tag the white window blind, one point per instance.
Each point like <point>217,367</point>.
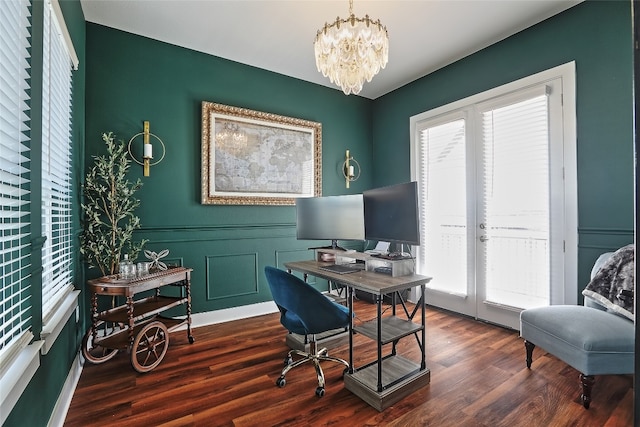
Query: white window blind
<point>56,164</point>
<point>515,142</point>
<point>443,212</point>
<point>15,259</point>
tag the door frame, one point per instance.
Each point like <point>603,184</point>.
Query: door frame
<point>568,294</point>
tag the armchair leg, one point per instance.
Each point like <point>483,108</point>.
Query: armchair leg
<point>587,382</point>
<point>529,346</point>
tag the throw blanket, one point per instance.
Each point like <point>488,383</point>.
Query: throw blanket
<point>612,286</point>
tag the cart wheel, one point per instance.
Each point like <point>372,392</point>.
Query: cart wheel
<point>320,391</point>
<point>191,339</point>
<point>149,346</point>
<point>96,353</point>
<point>281,382</point>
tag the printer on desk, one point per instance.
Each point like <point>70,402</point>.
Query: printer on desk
<point>380,249</point>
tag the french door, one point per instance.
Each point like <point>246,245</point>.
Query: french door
<point>493,204</point>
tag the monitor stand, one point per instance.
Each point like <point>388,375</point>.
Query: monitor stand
<point>334,245</point>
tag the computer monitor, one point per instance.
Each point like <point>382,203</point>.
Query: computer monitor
<point>391,214</point>
<point>330,218</point>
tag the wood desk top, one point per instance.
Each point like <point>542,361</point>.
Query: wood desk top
<point>369,281</point>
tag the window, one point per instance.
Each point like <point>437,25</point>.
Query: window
<point>443,160</point>
<point>56,163</point>
<point>19,353</point>
<point>15,262</point>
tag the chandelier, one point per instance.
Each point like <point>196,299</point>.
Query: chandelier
<point>350,51</point>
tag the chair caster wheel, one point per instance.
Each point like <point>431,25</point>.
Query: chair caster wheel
<point>320,391</point>
<point>281,382</point>
<point>288,361</point>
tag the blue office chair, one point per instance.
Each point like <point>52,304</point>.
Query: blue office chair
<point>305,311</point>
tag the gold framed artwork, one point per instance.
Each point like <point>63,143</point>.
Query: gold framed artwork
<point>255,158</point>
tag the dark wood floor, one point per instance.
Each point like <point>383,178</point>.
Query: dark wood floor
<point>227,378</point>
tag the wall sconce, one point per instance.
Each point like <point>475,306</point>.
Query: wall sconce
<point>147,149</point>
<point>348,169</point>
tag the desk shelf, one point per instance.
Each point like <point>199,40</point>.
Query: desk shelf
<point>402,377</point>
<point>399,267</point>
<point>386,380</point>
<point>393,328</point>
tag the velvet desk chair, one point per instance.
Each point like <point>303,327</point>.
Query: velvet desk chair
<point>305,311</point>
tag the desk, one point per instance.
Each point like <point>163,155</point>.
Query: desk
<point>391,377</point>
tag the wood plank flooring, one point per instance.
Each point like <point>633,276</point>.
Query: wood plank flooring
<point>227,378</point>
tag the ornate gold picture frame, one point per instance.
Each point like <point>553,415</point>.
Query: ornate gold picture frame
<point>255,158</point>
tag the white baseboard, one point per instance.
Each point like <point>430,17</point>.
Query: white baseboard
<point>66,395</point>
<point>234,313</point>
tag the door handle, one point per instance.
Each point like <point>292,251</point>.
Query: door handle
<point>483,238</point>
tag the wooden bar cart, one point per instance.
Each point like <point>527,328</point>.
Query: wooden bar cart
<point>137,325</point>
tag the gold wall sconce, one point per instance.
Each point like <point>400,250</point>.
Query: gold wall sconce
<point>147,149</point>
<point>350,169</point>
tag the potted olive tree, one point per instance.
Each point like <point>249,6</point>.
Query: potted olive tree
<point>109,205</point>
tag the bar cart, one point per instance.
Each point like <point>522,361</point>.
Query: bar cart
<point>137,325</point>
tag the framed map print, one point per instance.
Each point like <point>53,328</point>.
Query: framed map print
<point>255,158</point>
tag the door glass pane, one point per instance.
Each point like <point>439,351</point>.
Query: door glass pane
<point>443,197</point>
<point>515,142</point>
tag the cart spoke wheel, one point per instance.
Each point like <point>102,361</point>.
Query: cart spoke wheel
<point>149,346</point>
<point>95,353</point>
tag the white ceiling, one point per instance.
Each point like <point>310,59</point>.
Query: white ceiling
<point>424,35</point>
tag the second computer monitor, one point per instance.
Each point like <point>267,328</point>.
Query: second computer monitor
<point>391,214</point>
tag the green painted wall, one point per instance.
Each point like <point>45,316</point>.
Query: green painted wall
<point>596,35</point>
<point>132,79</point>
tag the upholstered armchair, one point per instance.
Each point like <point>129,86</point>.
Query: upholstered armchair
<point>597,338</point>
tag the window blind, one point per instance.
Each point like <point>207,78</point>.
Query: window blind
<point>515,148</point>
<point>56,165</point>
<point>443,211</point>
<point>15,258</point>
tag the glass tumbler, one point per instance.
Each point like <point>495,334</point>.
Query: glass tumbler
<point>143,268</point>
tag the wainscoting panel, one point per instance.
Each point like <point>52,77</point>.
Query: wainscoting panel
<point>240,276</point>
